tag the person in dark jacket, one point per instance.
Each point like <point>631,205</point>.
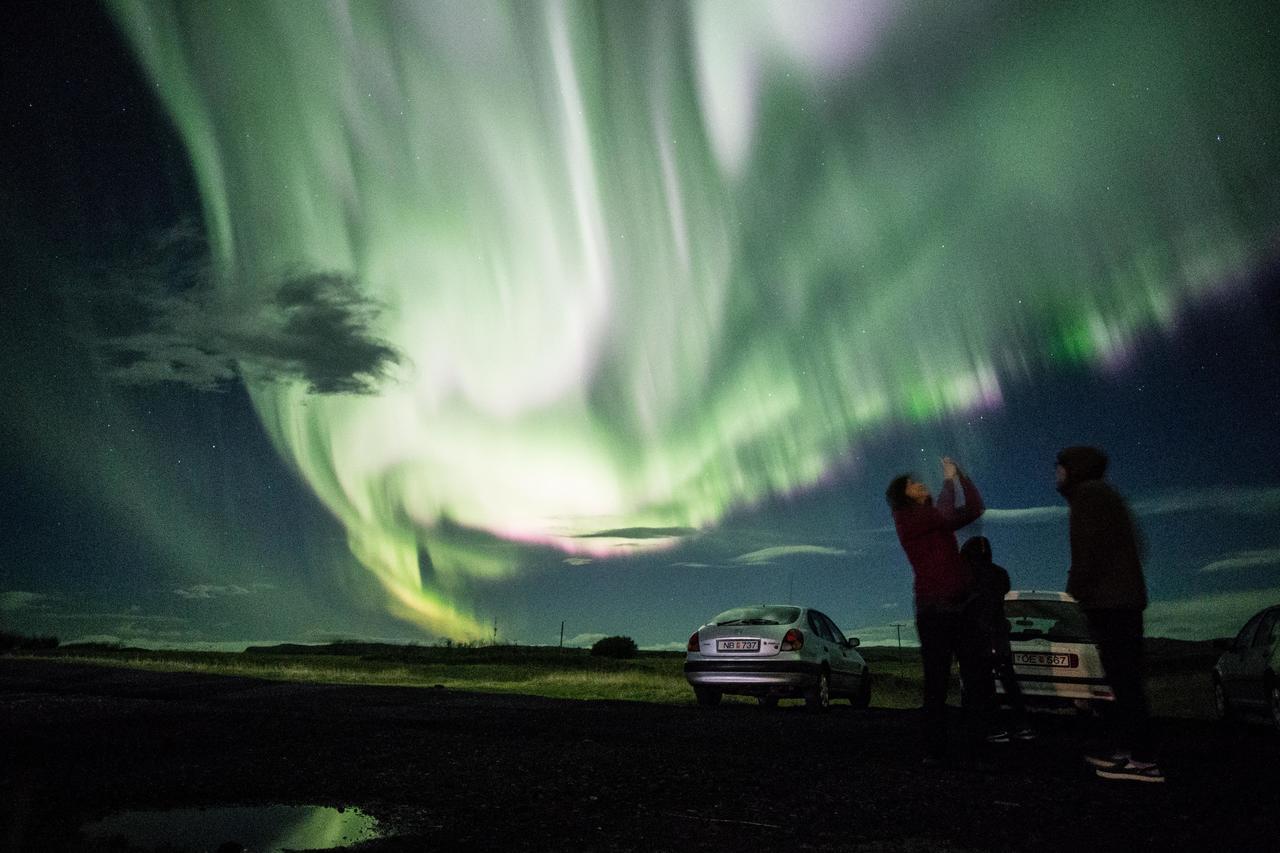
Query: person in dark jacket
<point>990,583</point>
<point>1106,579</point>
<point>943,589</point>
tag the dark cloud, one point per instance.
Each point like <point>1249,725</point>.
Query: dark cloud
<point>162,320</point>
<point>640,533</point>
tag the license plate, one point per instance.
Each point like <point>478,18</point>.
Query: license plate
<point>737,645</point>
<point>1067,661</point>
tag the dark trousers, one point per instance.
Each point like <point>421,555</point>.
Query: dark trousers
<point>945,632</point>
<point>1118,634</point>
<point>1002,670</point>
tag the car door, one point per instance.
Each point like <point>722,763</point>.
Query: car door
<point>1232,663</point>
<point>818,624</point>
<point>845,668</point>
<point>1254,660</point>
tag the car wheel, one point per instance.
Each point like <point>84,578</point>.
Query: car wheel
<point>862,698</point>
<point>1221,705</point>
<point>707,697</point>
<point>818,698</point>
<point>768,701</point>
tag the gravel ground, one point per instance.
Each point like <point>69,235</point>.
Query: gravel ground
<point>445,770</point>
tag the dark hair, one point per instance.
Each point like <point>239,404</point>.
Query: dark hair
<point>1083,463</point>
<point>976,549</point>
<point>896,494</point>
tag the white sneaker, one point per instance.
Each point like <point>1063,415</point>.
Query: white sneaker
<point>1143,771</point>
<point>1111,760</point>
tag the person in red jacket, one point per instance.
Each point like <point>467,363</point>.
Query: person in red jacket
<point>943,593</point>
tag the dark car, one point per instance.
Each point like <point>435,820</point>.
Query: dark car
<point>1245,677</point>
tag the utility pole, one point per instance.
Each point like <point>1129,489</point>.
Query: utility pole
<point>898,627</point>
<point>791,588</point>
<point>495,630</point>
<point>562,633</point>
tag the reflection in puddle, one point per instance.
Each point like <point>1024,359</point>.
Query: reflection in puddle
<point>256,828</point>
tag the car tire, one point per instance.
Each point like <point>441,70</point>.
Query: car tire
<point>818,697</point>
<point>862,699</point>
<point>707,697</point>
<point>1221,704</point>
<point>1273,700</point>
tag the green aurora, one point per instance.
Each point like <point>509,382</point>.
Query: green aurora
<point>646,263</point>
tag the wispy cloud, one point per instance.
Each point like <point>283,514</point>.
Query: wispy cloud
<point>766,556</point>
<point>1263,500</point>
<point>1207,616</point>
<point>131,616</point>
<point>1257,501</point>
<point>665,647</point>
<point>206,591</point>
<point>1245,560</point>
<point>584,640</point>
<point>1025,515</point>
<point>15,600</point>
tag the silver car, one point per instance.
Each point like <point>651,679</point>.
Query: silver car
<point>1247,676</point>
<point>772,651</point>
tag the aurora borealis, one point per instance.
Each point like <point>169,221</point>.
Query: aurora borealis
<point>646,268</point>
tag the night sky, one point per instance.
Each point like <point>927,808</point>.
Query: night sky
<point>413,321</point>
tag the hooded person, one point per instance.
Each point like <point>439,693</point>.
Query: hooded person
<point>1106,579</point>
<point>990,583</point>
<point>1106,548</point>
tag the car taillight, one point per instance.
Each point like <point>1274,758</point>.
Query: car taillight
<point>693,642</point>
<point>793,641</point>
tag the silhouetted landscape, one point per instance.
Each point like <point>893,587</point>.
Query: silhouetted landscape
<point>439,766</point>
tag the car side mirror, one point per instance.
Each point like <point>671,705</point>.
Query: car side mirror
<point>853,642</point>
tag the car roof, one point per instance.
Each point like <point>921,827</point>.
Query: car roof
<point>1036,595</point>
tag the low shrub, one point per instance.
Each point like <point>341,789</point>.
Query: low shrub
<point>10,642</point>
<point>614,647</point>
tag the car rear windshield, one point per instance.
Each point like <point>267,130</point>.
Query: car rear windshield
<point>1050,620</point>
<point>759,615</point>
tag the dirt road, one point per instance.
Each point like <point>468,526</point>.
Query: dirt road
<point>449,770</point>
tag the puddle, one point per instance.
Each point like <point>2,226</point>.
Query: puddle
<point>224,830</point>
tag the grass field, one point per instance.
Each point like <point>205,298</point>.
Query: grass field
<point>1178,680</point>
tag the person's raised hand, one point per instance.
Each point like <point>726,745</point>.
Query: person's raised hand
<point>949,468</point>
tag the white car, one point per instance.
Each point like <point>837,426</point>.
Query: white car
<point>772,651</point>
<point>1054,658</point>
